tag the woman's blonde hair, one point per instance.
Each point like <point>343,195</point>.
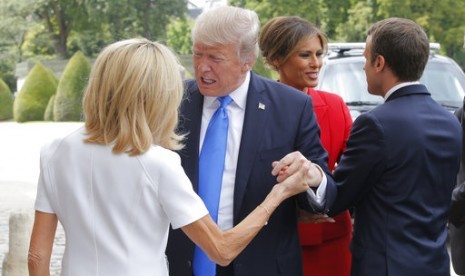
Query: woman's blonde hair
<point>132,98</point>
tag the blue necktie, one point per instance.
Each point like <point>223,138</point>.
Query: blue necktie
<point>211,166</point>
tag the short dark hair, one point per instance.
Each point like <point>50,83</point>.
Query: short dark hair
<point>403,44</point>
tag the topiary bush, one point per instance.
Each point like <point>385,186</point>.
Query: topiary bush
<point>52,76</point>
<point>48,115</point>
<point>68,100</point>
<point>32,99</point>
<point>6,102</point>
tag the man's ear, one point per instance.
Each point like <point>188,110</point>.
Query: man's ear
<point>247,66</point>
<point>380,63</point>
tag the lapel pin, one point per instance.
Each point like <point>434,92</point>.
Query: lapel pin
<point>261,106</point>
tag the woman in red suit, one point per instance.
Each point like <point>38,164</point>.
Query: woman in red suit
<point>295,49</point>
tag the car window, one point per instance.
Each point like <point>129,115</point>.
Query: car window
<point>349,81</point>
<point>444,82</point>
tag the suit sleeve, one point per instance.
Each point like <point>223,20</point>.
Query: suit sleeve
<point>361,165</point>
<point>309,144</point>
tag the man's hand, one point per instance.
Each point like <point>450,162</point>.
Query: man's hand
<point>296,163</point>
<point>307,217</point>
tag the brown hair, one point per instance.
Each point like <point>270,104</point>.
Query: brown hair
<point>403,44</point>
<point>279,37</point>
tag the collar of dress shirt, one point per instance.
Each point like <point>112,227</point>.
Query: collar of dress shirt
<point>239,95</point>
<point>399,86</point>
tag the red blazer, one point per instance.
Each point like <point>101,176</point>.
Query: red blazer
<point>334,119</point>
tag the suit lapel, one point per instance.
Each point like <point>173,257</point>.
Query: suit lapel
<point>258,106</point>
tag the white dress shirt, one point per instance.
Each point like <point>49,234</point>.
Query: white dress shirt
<point>236,112</point>
<point>397,87</point>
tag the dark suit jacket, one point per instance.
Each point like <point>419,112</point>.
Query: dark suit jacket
<point>286,124</point>
<point>398,172</point>
<point>457,210</point>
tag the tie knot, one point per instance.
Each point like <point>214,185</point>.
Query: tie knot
<point>225,101</point>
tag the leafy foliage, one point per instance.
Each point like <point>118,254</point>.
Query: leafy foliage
<point>349,20</point>
<point>358,22</point>
<point>178,35</point>
<point>145,18</point>
<point>15,21</point>
<point>31,101</point>
<point>261,69</point>
<point>67,105</point>
<point>57,28</point>
<point>7,68</point>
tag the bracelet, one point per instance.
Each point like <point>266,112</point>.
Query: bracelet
<point>267,211</point>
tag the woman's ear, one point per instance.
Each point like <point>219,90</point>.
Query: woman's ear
<point>276,64</point>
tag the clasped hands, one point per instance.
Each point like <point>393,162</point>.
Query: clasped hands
<point>296,169</point>
<point>299,169</point>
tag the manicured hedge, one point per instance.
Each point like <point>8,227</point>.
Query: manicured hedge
<point>48,115</point>
<point>30,103</point>
<point>68,101</point>
<point>6,102</point>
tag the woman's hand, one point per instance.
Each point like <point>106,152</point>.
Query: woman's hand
<point>294,164</point>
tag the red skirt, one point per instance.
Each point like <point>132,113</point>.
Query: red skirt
<point>325,247</point>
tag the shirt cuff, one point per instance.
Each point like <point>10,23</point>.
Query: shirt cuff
<point>320,194</point>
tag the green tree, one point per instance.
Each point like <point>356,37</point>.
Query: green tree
<point>445,25</point>
<point>263,70</point>
<point>324,14</point>
<point>313,10</point>
<point>60,18</point>
<point>179,35</point>
<point>89,42</point>
<point>147,18</point>
<point>360,17</point>
<point>6,102</point>
<point>442,21</point>
<point>31,101</point>
<point>67,105</point>
<point>16,18</point>
<point>7,67</point>
<point>60,27</point>
<point>15,22</point>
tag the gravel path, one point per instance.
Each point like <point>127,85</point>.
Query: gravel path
<point>19,169</point>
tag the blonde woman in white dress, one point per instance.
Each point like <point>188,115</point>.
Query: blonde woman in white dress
<point>115,184</point>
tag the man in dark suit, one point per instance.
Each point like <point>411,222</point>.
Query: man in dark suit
<point>268,121</point>
<point>457,209</point>
<point>401,162</point>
